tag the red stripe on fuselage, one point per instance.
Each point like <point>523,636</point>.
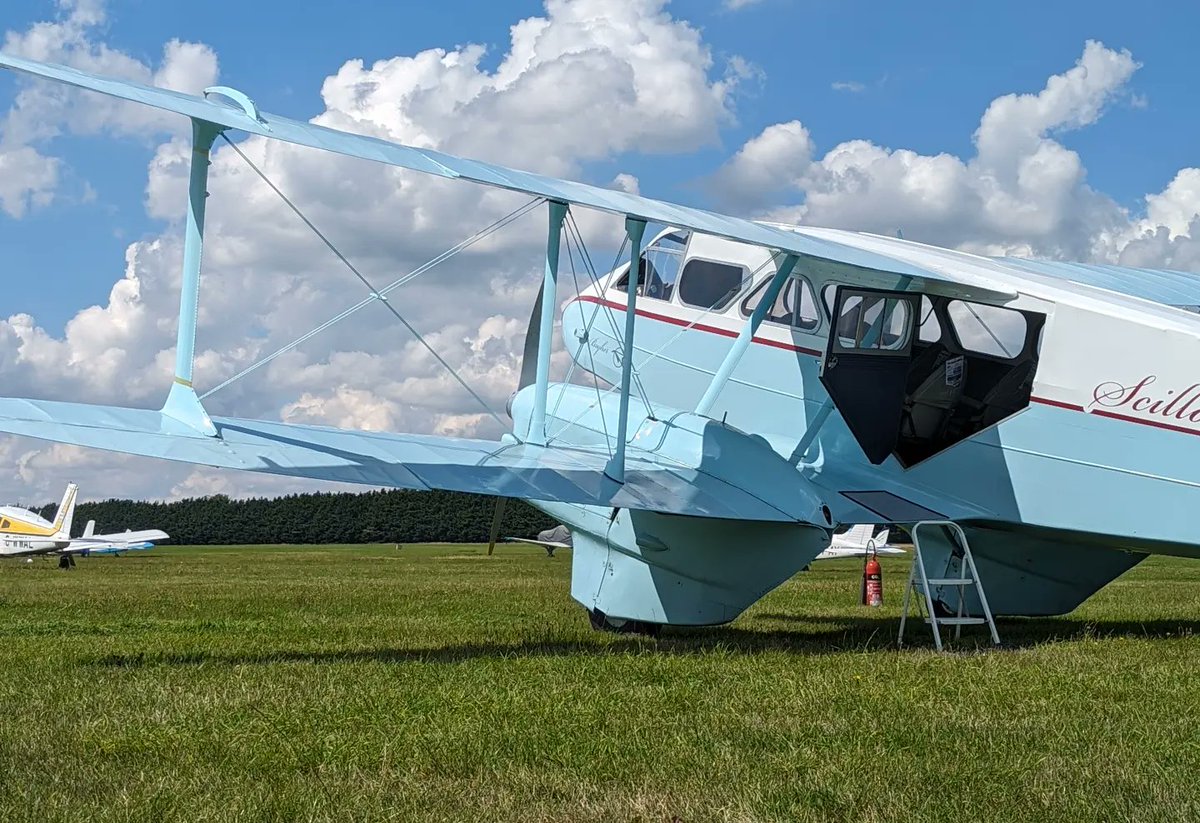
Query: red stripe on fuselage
<point>1045,401</point>
<point>679,321</point>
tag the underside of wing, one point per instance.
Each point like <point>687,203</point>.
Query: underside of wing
<point>405,461</point>
<point>240,113</point>
<point>1169,288</point>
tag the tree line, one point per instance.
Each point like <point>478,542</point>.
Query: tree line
<point>388,516</point>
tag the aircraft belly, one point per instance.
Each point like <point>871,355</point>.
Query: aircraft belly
<point>688,571</point>
<point>1024,572</point>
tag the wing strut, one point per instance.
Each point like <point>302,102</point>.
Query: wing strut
<point>182,403</point>
<point>734,356</point>
<point>635,229</point>
<point>537,421</point>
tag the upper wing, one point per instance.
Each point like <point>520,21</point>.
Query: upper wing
<point>409,461</point>
<point>967,285</point>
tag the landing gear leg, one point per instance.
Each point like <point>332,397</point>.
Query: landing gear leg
<point>66,561</point>
<point>602,622</point>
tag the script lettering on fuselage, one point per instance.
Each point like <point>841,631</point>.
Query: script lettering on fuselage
<point>601,344</point>
<point>1148,399</point>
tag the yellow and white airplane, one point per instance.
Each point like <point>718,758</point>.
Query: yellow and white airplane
<point>24,533</point>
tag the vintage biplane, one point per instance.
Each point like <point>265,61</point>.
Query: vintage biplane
<point>767,383</point>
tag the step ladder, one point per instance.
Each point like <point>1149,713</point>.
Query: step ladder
<point>919,581</point>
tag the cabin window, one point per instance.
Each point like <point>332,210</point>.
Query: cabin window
<point>929,328</point>
<point>989,330</point>
<point>5,524</point>
<point>869,322</point>
<point>709,285</point>
<point>829,294</point>
<point>796,306</point>
<point>660,266</point>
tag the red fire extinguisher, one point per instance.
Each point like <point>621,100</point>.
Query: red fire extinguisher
<point>872,583</point>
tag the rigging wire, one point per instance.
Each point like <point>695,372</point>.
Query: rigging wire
<point>723,301</point>
<point>380,295</point>
<point>591,358</point>
<point>618,335</point>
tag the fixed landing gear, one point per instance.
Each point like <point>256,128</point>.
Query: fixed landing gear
<point>66,561</point>
<point>602,622</point>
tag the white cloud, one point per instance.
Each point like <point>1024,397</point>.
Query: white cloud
<point>27,179</point>
<point>852,86</point>
<point>1023,192</point>
<point>735,5</point>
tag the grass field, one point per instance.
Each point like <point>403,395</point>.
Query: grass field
<point>434,683</point>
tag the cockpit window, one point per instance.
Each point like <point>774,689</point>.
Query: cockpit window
<point>708,285</point>
<point>660,266</point>
<point>989,330</point>
<point>929,328</point>
<point>796,306</point>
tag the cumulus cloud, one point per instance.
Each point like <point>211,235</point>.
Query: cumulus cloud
<point>29,178</point>
<point>586,81</point>
<point>1023,191</point>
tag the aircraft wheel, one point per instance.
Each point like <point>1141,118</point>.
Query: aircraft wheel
<point>616,625</point>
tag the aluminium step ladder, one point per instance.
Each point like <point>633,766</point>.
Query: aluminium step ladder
<point>920,581</point>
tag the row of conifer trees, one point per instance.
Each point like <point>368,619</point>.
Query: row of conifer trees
<point>391,516</point>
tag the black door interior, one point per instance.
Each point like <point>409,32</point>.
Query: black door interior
<point>867,361</point>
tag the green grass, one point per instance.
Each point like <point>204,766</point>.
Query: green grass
<point>434,683</point>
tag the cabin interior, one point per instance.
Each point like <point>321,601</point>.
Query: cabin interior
<point>912,374</point>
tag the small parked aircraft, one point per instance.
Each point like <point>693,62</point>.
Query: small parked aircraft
<point>859,541</point>
<point>550,539</point>
<point>24,533</point>
<point>768,382</point>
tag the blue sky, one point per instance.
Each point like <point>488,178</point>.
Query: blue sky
<point>927,71</point>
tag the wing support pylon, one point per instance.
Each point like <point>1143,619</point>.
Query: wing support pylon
<point>182,403</point>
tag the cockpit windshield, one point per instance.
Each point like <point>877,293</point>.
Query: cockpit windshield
<point>659,267</point>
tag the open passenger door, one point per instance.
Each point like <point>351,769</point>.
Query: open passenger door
<point>866,363</point>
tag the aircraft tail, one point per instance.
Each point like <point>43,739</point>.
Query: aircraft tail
<point>66,513</point>
<point>881,539</point>
<point>858,537</point>
<point>89,529</point>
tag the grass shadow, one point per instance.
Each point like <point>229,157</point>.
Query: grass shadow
<point>845,634</point>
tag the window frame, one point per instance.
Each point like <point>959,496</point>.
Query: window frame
<point>815,325</point>
<point>975,352</point>
<point>911,308</point>
<point>730,301</point>
<point>683,237</point>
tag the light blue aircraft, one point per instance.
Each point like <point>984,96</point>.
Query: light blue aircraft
<point>769,383</point>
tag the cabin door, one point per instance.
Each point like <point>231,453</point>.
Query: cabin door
<point>866,363</point>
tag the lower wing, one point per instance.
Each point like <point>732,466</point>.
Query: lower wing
<point>409,461</point>
<point>554,544</point>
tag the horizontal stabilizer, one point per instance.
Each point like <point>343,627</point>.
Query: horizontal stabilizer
<point>403,461</point>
